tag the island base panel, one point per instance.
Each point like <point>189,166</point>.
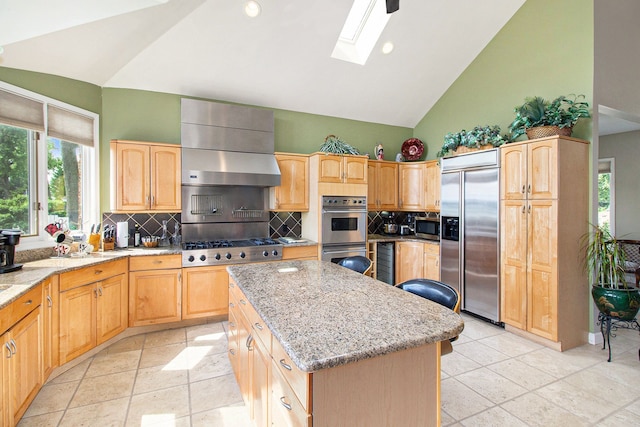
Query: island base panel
<point>397,389</point>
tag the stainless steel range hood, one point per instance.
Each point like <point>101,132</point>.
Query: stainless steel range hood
<point>226,144</point>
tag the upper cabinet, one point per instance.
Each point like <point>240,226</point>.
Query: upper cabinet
<point>334,168</point>
<point>382,185</point>
<point>145,176</point>
<point>529,171</point>
<point>292,195</point>
<point>432,186</point>
<point>411,178</point>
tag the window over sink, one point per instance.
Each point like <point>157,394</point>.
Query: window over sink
<point>48,165</point>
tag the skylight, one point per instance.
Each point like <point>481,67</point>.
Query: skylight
<point>361,31</point>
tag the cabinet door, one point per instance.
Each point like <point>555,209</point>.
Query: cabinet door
<point>292,195</point>
<point>513,253</point>
<point>133,177</point>
<point>261,361</point>
<point>233,343</point>
<point>166,177</point>
<point>431,262</point>
<point>411,182</point>
<point>154,297</point>
<point>409,258</point>
<point>432,186</point>
<point>513,171</point>
<point>330,168</point>
<point>50,325</point>
<point>25,364</point>
<point>387,186</point>
<point>77,321</point>
<point>372,185</point>
<point>205,292</point>
<point>355,170</point>
<point>112,307</point>
<point>244,358</point>
<point>542,166</point>
<point>542,284</point>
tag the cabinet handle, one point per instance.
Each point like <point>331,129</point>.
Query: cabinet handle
<point>8,347</point>
<point>97,272</point>
<point>231,305</point>
<point>258,326</point>
<point>157,261</point>
<point>100,291</point>
<point>13,344</point>
<point>232,325</point>
<point>232,351</point>
<point>153,200</point>
<point>529,188</point>
<point>28,302</point>
<point>249,341</point>
<point>50,301</point>
<point>243,302</point>
<point>524,208</point>
<point>529,208</point>
<point>285,365</point>
<point>95,293</point>
<point>285,404</point>
<point>523,187</point>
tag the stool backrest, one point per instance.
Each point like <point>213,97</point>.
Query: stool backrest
<point>357,263</point>
<point>435,291</point>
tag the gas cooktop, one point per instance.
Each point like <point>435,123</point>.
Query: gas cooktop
<point>222,252</point>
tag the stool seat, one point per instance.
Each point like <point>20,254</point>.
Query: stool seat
<point>357,263</point>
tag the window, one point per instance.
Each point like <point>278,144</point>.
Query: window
<point>606,193</point>
<point>48,165</point>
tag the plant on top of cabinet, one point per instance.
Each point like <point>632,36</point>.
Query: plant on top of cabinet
<point>336,145</point>
<point>477,138</point>
<point>554,118</point>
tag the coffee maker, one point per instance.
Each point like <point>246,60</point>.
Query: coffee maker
<point>9,239</point>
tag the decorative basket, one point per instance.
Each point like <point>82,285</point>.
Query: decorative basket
<point>545,131</point>
<point>464,149</point>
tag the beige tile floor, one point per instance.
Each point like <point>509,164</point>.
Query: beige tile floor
<point>182,377</point>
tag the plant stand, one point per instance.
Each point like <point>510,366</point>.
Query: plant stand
<point>607,323</point>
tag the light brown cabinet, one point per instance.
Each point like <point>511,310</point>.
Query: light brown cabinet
<point>205,292</point>
<point>21,355</point>
<point>415,260</point>
<point>292,195</point>
<point>432,186</point>
<point>544,214</point>
<point>300,253</point>
<point>50,325</point>
<point>145,176</point>
<point>382,185</point>
<point>92,311</point>
<point>333,168</point>
<point>155,294</point>
<point>411,179</point>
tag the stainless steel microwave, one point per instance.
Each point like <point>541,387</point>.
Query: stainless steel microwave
<point>427,228</point>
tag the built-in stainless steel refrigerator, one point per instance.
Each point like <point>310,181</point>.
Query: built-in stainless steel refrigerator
<point>470,232</point>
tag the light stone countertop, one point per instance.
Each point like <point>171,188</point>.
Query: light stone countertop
<point>325,315</point>
<point>399,238</point>
<point>16,283</point>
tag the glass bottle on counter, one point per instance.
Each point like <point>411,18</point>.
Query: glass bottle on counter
<point>136,236</point>
<point>164,239</point>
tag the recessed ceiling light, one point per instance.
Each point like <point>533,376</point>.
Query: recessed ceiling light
<point>252,8</point>
<point>387,48</point>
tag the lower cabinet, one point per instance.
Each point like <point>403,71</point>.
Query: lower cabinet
<point>94,312</point>
<point>50,325</point>
<point>205,292</point>
<point>416,260</point>
<point>22,355</point>
<point>155,294</point>
<point>300,253</point>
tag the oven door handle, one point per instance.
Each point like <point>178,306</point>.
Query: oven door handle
<point>346,211</point>
<point>340,251</point>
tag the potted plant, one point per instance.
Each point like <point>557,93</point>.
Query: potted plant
<point>336,145</point>
<point>606,261</point>
<point>477,138</point>
<point>538,117</point>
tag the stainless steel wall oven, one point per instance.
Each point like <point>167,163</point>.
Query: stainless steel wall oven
<point>343,224</point>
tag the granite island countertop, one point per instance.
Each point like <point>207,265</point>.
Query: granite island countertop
<point>325,315</point>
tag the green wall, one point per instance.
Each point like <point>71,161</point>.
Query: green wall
<point>80,94</point>
<point>546,49</point>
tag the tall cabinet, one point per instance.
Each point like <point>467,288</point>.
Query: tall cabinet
<point>544,215</point>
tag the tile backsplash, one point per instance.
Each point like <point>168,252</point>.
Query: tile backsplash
<point>150,223</point>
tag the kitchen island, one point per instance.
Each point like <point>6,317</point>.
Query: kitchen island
<point>369,353</point>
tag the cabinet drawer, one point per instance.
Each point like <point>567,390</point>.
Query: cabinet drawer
<point>298,252</point>
<point>155,262</point>
<point>94,273</point>
<point>432,249</point>
<point>298,380</point>
<point>286,409</point>
<point>12,313</point>
<point>256,324</point>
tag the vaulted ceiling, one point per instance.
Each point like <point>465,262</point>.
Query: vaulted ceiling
<point>280,59</point>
